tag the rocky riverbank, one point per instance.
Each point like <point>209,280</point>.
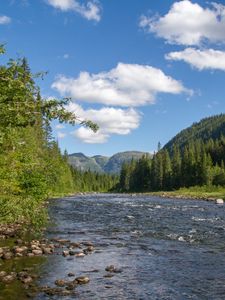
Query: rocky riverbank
<point>14,249</point>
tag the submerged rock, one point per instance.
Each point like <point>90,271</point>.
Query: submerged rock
<point>113,269</point>
<point>82,279</point>
<point>60,282</point>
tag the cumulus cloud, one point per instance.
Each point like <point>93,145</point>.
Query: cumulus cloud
<point>188,23</point>
<point>200,59</point>
<point>125,85</point>
<point>90,11</point>
<point>5,20</point>
<point>110,120</point>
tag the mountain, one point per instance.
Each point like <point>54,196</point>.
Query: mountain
<point>103,164</point>
<point>208,128</point>
<point>84,163</point>
<point>115,162</point>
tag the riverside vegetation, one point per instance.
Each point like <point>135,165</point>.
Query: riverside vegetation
<point>32,167</point>
<point>192,164</point>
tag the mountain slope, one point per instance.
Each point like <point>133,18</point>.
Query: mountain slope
<point>207,128</point>
<point>84,163</point>
<point>115,162</point>
<point>103,164</point>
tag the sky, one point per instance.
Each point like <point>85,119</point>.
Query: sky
<point>141,69</point>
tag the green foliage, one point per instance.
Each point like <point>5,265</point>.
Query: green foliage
<point>195,157</point>
<point>31,165</point>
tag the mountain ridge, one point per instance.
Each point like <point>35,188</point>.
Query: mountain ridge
<point>101,163</point>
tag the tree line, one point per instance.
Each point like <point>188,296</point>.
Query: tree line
<point>197,163</point>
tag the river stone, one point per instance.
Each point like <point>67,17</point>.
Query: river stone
<point>8,278</point>
<point>37,252</point>
<point>26,280</point>
<point>62,241</point>
<point>2,273</point>
<point>19,249</point>
<point>219,201</point>
<point>87,244</point>
<point>113,269</point>
<point>77,253</point>
<point>60,282</point>
<point>71,285</point>
<point>82,280</point>
<point>65,253</point>
<point>47,250</point>
<point>74,245</point>
<point>81,254</point>
<point>7,255</point>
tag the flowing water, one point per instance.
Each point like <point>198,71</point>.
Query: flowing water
<point>166,248</point>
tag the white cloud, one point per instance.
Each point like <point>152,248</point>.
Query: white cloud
<point>90,11</point>
<point>110,120</point>
<point>200,59</point>
<point>5,20</point>
<point>61,135</point>
<point>188,23</point>
<point>125,85</point>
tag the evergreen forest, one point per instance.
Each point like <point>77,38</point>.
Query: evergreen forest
<point>195,157</point>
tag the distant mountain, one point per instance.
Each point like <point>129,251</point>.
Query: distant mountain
<point>103,164</point>
<point>208,128</point>
<point>115,162</point>
<point>84,163</point>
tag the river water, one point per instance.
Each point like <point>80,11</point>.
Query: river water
<point>165,248</point>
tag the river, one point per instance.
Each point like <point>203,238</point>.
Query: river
<point>165,248</point>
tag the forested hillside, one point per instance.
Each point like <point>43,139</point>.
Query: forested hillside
<point>195,157</point>
<point>31,165</point>
<point>208,128</point>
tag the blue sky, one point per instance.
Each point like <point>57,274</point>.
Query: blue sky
<point>143,70</point>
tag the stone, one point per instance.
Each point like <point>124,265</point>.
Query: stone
<point>219,201</point>
<point>62,241</point>
<point>37,252</point>
<point>27,280</point>
<point>74,245</point>
<point>65,253</point>
<point>2,273</point>
<point>60,282</point>
<point>47,250</point>
<point>71,274</point>
<point>81,254</point>
<point>113,269</point>
<point>7,255</point>
<point>8,278</point>
<point>82,279</point>
<point>87,244</point>
<point>71,285</point>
